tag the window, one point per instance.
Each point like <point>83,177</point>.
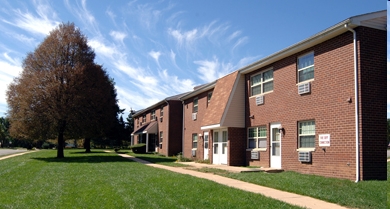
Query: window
<point>194,141</point>
<point>195,108</point>
<point>209,95</point>
<point>262,82</point>
<point>161,111</point>
<point>144,118</point>
<point>257,137</point>
<point>153,115</point>
<point>161,139</point>
<point>306,67</point>
<point>307,132</point>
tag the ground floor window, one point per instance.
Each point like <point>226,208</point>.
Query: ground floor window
<point>257,137</point>
<point>194,141</point>
<point>306,134</point>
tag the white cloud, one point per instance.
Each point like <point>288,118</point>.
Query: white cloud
<point>40,24</point>
<point>212,70</point>
<point>102,49</point>
<point>84,15</point>
<point>9,69</point>
<point>155,55</point>
<point>118,36</point>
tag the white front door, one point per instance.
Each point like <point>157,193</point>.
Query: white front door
<point>220,151</point>
<point>206,146</point>
<point>276,140</point>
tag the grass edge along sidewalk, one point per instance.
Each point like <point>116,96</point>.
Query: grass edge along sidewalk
<point>291,198</point>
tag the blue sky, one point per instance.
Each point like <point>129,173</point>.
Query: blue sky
<point>156,49</point>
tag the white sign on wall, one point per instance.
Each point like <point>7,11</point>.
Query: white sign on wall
<point>324,140</point>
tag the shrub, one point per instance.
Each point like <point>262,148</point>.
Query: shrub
<point>138,148</point>
<point>180,158</point>
<point>45,145</point>
<point>203,161</point>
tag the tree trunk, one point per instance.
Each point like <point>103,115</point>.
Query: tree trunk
<point>61,143</point>
<point>87,145</point>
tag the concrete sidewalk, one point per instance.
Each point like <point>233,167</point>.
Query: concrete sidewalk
<point>291,198</point>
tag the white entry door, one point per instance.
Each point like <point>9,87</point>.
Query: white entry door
<point>220,149</point>
<point>276,140</point>
<point>206,146</point>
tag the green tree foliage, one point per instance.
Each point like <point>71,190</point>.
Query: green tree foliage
<point>61,91</point>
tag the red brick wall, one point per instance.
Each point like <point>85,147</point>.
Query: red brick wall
<point>373,87</point>
<point>326,104</point>
<point>193,126</point>
<point>175,127</point>
<point>236,145</point>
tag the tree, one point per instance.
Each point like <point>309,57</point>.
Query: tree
<point>61,92</point>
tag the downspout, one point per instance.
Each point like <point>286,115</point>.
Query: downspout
<point>357,133</point>
<point>182,138</point>
<point>167,131</point>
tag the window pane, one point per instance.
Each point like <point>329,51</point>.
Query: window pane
<point>224,136</point>
<point>306,61</point>
<point>256,90</point>
<point>306,74</point>
<point>252,132</point>
<point>262,143</point>
<point>255,79</point>
<point>215,137</point>
<point>262,132</point>
<point>307,141</point>
<point>307,128</point>
<point>206,145</point>
<point>195,145</point>
<point>252,143</point>
<point>269,86</point>
<point>268,75</point>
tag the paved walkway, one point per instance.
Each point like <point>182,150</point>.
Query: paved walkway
<point>291,198</point>
<point>18,154</point>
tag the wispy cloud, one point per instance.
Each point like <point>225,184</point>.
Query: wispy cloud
<point>155,55</point>
<point>211,70</point>
<point>118,36</point>
<point>39,23</point>
<point>9,68</point>
<point>84,16</point>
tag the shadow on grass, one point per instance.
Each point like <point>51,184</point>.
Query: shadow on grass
<point>83,152</point>
<point>84,159</point>
<point>157,159</point>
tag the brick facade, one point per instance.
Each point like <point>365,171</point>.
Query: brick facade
<point>329,105</point>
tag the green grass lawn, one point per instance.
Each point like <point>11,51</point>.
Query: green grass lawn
<point>365,194</point>
<point>106,180</point>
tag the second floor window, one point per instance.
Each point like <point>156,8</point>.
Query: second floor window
<point>153,115</point>
<point>143,118</point>
<point>262,82</point>
<point>306,67</point>
<point>161,111</point>
<point>195,103</point>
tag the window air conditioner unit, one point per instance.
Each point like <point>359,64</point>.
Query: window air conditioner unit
<point>193,153</point>
<point>304,88</point>
<point>259,100</point>
<point>304,157</point>
<point>194,116</point>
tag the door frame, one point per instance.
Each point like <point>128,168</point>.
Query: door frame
<point>218,145</point>
<point>206,149</point>
<point>275,151</point>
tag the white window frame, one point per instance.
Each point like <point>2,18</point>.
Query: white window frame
<point>194,140</point>
<point>257,138</point>
<point>161,139</point>
<point>195,106</point>
<point>262,81</point>
<point>161,111</point>
<point>305,68</point>
<point>143,118</point>
<point>300,134</point>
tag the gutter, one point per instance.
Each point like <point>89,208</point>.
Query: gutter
<point>167,131</point>
<point>182,134</point>
<point>357,133</point>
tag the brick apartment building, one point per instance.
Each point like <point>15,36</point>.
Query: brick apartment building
<point>316,107</point>
<point>160,126</point>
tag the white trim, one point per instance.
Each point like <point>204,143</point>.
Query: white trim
<point>257,149</point>
<point>306,149</point>
<point>211,127</point>
<point>262,82</point>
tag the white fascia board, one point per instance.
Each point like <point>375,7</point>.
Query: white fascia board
<point>203,128</point>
